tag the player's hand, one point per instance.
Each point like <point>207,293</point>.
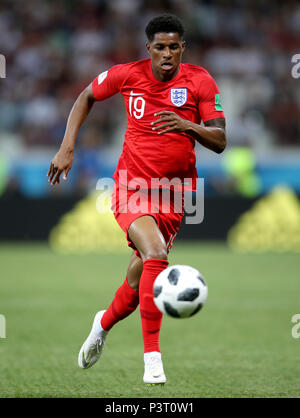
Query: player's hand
<point>169,122</point>
<point>62,162</point>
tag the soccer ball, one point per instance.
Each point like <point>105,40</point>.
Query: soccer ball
<point>179,291</point>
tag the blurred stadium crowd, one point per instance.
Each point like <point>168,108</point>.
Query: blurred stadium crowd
<point>54,49</point>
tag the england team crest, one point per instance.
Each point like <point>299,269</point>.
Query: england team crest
<point>178,96</point>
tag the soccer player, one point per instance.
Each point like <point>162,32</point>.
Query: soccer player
<point>165,102</point>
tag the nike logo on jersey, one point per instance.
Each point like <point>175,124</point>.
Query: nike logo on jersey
<point>136,94</point>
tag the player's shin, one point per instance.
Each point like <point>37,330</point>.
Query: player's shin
<point>124,303</point>
<point>151,317</point>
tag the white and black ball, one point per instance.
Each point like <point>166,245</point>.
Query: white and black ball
<point>180,291</point>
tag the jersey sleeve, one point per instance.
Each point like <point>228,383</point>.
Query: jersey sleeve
<point>209,105</point>
<point>109,82</point>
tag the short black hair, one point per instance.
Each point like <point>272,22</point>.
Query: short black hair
<point>166,24</point>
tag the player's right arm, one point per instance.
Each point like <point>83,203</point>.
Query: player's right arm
<point>103,86</point>
<point>63,160</point>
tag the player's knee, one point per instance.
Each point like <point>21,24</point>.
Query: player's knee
<point>133,281</point>
<point>160,253</point>
<point>134,272</point>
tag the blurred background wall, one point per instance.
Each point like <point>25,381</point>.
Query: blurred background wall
<point>53,50</point>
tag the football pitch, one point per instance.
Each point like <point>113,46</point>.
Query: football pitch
<point>239,345</point>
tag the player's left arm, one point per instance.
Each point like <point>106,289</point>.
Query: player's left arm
<point>211,136</point>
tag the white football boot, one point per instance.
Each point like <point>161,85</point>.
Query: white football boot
<point>154,371</point>
<point>93,346</point>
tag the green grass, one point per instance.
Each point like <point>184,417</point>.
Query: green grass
<point>239,345</point>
